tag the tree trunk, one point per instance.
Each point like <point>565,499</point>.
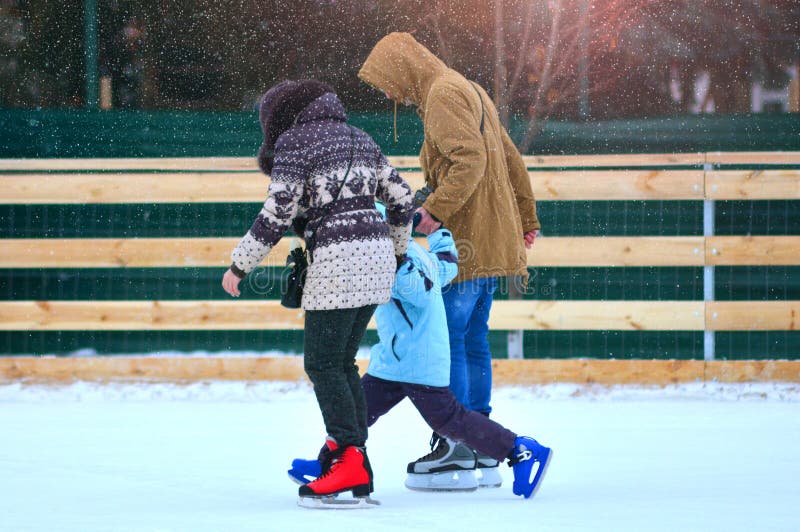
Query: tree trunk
<point>535,124</point>
<point>500,74</point>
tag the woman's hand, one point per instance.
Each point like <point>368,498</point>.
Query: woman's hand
<point>230,282</point>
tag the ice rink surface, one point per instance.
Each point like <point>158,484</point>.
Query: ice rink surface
<point>213,457</point>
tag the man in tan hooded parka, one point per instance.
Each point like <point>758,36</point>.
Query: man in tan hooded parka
<point>482,193</point>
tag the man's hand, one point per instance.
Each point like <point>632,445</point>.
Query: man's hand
<point>230,282</point>
<point>427,224</point>
<point>530,236</point>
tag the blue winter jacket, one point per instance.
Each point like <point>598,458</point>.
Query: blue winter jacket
<point>414,345</point>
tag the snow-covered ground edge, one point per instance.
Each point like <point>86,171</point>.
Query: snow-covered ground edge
<point>89,352</point>
<point>362,353</point>
<point>246,391</point>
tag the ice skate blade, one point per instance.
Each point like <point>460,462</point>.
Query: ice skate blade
<point>489,477</point>
<point>444,481</point>
<point>297,480</point>
<point>543,472</point>
<point>536,482</point>
<point>332,502</point>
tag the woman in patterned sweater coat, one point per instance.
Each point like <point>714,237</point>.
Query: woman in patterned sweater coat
<point>329,174</point>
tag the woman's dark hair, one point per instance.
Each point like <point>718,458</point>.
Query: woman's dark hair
<point>278,110</point>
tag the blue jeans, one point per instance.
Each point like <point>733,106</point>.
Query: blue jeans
<point>467,305</point>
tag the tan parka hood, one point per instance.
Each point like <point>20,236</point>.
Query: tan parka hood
<point>402,67</point>
<point>481,190</point>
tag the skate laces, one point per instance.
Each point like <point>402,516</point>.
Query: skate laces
<point>439,448</point>
<point>330,462</point>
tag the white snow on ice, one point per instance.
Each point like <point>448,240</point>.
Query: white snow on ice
<point>213,457</point>
<point>86,352</point>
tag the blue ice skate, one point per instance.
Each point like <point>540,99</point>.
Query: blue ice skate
<point>304,471</point>
<point>528,453</point>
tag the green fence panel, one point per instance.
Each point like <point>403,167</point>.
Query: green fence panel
<point>681,345</point>
<point>84,133</point>
<point>559,218</point>
<point>142,284</point>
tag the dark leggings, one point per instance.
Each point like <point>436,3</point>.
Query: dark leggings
<point>441,412</point>
<point>331,341</point>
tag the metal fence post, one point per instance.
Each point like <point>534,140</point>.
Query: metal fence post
<point>514,341</point>
<point>709,347</point>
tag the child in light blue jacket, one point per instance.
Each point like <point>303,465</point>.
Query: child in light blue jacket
<point>412,359</point>
<point>412,326</point>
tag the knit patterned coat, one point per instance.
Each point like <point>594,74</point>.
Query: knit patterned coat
<point>353,258</point>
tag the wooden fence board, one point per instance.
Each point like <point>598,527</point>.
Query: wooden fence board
<point>753,250</point>
<point>753,157</point>
<point>147,315</point>
<point>403,161</point>
<point>414,178</point>
<point>252,187</point>
<point>151,368</point>
<point>589,371</point>
<point>621,160</point>
<point>133,188</point>
<point>598,315</point>
<point>407,161</point>
<point>123,164</point>
<point>753,184</point>
<point>122,252</point>
<point>752,371</point>
<point>618,185</point>
<point>617,251</point>
<point>207,252</point>
<point>505,372</point>
<point>753,315</point>
<point>506,315</point>
<point>605,184</point>
<point>256,315</point>
<point>548,251</point>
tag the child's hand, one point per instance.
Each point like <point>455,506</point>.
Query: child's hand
<point>401,259</point>
<point>230,282</point>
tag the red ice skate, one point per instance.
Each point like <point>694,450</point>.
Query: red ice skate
<point>348,471</point>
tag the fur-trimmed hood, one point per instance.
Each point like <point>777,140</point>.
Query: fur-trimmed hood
<point>281,107</point>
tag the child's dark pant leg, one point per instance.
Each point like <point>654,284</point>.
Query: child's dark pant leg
<point>381,395</point>
<point>450,418</point>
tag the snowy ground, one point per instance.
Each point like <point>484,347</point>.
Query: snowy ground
<point>213,457</point>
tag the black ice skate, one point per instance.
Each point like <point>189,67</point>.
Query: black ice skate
<point>450,466</point>
<point>488,472</point>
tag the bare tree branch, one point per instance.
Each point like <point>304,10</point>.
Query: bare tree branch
<point>443,50</point>
<point>524,46</point>
<point>544,82</point>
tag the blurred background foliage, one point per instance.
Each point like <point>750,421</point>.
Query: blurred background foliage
<point>636,58</point>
